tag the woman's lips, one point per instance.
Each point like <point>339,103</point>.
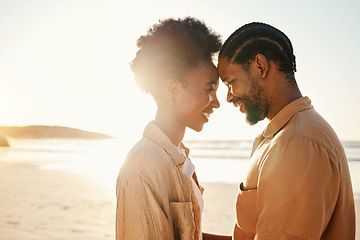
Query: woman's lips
<point>207,114</point>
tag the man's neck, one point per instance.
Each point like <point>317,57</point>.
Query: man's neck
<point>282,97</point>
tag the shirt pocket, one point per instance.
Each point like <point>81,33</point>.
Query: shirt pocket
<point>182,217</point>
<point>246,210</point>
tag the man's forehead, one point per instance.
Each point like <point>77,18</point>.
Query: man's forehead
<point>224,68</point>
<point>224,61</point>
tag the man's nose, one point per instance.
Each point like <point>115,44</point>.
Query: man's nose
<point>230,96</point>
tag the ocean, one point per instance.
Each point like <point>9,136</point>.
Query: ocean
<point>216,161</point>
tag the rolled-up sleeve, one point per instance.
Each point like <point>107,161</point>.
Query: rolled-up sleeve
<point>139,214</point>
<point>299,178</point>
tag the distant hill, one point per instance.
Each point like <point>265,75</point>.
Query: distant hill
<point>4,142</point>
<point>38,131</point>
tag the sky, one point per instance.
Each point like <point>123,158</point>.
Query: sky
<point>66,62</point>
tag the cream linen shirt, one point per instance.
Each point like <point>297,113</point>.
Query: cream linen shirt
<point>189,169</point>
<point>298,185</point>
<point>155,199</point>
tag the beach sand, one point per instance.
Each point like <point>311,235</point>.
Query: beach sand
<point>52,204</point>
<point>55,204</point>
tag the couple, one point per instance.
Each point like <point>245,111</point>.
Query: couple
<point>298,185</point>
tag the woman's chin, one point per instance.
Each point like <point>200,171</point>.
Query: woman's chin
<point>198,127</point>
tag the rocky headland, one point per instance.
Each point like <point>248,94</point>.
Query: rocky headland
<point>39,131</point>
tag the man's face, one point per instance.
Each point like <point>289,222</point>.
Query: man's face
<point>244,90</point>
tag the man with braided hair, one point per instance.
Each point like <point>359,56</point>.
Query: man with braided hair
<point>298,185</point>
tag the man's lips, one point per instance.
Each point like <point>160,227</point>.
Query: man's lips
<point>237,102</point>
<point>240,104</point>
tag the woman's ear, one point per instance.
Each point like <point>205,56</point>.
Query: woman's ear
<point>262,64</point>
<point>171,88</point>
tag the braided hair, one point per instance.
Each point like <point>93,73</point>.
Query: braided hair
<point>171,49</point>
<point>254,38</point>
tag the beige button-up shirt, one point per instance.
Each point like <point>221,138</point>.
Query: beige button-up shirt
<point>298,185</point>
<point>155,199</point>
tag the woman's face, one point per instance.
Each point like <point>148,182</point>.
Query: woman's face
<point>196,98</point>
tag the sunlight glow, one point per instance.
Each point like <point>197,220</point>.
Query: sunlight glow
<point>67,62</point>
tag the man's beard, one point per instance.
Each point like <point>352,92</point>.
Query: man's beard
<point>256,104</point>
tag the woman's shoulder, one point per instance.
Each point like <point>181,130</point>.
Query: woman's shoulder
<point>146,156</point>
<point>148,163</point>
<point>146,149</point>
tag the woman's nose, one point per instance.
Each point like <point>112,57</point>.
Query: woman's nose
<point>215,102</point>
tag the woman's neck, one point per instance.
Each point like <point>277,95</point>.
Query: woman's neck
<point>170,126</point>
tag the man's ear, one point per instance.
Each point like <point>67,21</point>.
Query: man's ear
<point>262,64</point>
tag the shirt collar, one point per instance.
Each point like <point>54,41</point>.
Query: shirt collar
<point>153,132</point>
<point>285,114</point>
